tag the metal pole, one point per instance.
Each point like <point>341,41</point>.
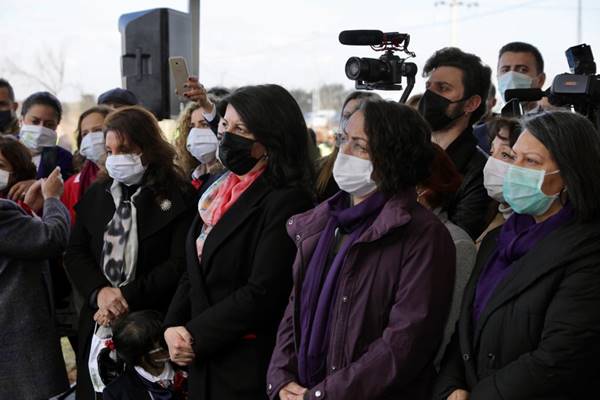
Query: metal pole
<point>194,10</point>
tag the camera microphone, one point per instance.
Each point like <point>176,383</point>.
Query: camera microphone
<point>362,37</point>
<point>524,94</point>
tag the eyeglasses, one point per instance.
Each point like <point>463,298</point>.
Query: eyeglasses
<point>357,145</point>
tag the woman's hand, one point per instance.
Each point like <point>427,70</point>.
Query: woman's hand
<point>292,391</point>
<point>53,186</point>
<point>179,340</point>
<point>34,198</point>
<point>459,394</point>
<point>196,92</point>
<point>112,300</point>
<point>18,190</point>
<point>104,317</point>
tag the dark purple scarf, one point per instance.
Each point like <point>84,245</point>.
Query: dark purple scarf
<point>519,234</point>
<point>320,283</point>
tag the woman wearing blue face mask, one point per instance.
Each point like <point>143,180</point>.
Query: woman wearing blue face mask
<point>374,272</point>
<point>126,251</point>
<point>529,325</point>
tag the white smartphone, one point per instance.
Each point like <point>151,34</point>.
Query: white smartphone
<point>180,74</point>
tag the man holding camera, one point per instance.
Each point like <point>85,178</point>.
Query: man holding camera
<point>457,86</point>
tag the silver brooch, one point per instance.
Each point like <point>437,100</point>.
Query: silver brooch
<point>165,205</point>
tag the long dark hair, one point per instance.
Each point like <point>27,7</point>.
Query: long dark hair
<point>399,145</point>
<point>141,128</point>
<point>19,158</point>
<point>574,144</point>
<point>273,116</point>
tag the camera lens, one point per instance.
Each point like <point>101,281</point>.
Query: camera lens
<point>367,69</point>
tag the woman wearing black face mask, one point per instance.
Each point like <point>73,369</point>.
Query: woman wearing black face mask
<point>224,317</point>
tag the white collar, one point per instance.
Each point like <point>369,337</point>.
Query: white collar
<point>168,373</point>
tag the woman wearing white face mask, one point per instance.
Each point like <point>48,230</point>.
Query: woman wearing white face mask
<point>40,115</point>
<point>374,271</point>
<point>196,146</point>
<point>529,326</point>
<point>503,133</point>
<point>126,251</point>
<point>90,140</point>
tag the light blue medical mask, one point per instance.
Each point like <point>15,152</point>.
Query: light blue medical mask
<point>522,190</point>
<point>513,80</point>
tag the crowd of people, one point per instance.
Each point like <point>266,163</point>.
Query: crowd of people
<point>439,252</point>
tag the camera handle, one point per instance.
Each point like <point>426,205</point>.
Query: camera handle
<point>410,71</point>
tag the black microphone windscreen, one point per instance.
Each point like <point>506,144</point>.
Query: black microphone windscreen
<point>523,94</point>
<point>362,37</point>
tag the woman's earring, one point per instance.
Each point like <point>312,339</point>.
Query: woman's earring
<point>563,196</point>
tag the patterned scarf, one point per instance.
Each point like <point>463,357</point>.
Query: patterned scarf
<point>219,198</point>
<point>119,252</point>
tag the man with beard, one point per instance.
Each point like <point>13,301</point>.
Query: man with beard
<point>457,85</point>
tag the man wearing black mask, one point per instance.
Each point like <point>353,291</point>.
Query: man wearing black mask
<point>9,123</point>
<point>456,88</point>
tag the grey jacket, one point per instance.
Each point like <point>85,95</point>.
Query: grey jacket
<point>31,363</point>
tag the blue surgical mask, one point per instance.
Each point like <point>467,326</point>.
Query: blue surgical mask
<point>522,190</point>
<point>513,80</point>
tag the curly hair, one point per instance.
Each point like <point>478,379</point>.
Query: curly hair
<point>399,145</point>
<point>184,159</point>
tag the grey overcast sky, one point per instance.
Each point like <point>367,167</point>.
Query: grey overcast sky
<point>293,43</point>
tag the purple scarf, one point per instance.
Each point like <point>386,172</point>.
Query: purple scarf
<point>320,283</point>
<point>519,234</point>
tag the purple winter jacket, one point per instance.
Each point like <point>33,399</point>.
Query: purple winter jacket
<point>394,293</point>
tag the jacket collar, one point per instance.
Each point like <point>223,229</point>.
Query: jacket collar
<point>567,245</point>
<point>461,150</point>
<point>395,213</point>
<point>243,208</point>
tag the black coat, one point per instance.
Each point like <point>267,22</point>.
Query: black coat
<point>469,207</point>
<point>233,301</point>
<point>539,335</point>
<point>161,258</point>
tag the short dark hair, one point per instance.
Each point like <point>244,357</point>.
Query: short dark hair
<point>19,158</point>
<point>476,79</point>
<point>496,124</point>
<point>273,116</point>
<point>522,47</point>
<point>45,99</point>
<point>574,144</point>
<point>217,93</point>
<point>5,84</point>
<point>399,145</point>
<point>136,334</point>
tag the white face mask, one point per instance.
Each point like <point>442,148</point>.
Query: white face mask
<point>353,175</point>
<point>125,168</point>
<point>35,137</point>
<point>92,146</point>
<point>202,143</point>
<point>493,178</point>
<point>513,80</point>
<point>4,177</point>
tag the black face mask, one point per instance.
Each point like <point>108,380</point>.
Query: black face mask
<point>433,108</point>
<point>234,153</point>
<point>5,118</point>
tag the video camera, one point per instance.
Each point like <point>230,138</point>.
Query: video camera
<point>386,72</point>
<point>579,89</point>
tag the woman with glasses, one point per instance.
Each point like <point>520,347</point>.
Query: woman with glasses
<point>374,271</point>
